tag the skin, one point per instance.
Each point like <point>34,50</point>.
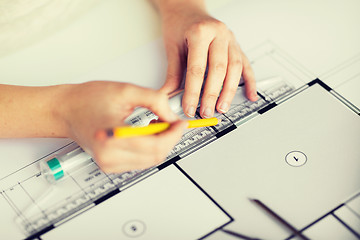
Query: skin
<point>194,40</point>
<point>78,111</point>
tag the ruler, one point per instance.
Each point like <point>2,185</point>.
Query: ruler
<point>96,186</point>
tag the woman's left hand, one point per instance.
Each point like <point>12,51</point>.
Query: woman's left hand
<point>194,41</point>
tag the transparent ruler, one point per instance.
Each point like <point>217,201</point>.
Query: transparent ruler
<point>89,186</point>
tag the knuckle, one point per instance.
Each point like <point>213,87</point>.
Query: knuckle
<point>196,70</point>
<point>191,97</point>
<point>127,89</point>
<point>198,28</point>
<point>211,96</point>
<point>220,25</point>
<point>126,86</point>
<point>237,62</point>
<point>220,67</point>
<point>231,90</point>
<point>202,28</point>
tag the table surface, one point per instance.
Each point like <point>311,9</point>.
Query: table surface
<point>320,36</point>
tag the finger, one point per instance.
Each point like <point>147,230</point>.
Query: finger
<point>196,65</point>
<point>174,75</point>
<point>232,78</point>
<point>155,101</point>
<point>127,161</point>
<point>218,60</point>
<point>249,79</point>
<point>141,152</point>
<point>160,143</point>
<point>117,155</point>
<point>151,144</point>
<point>169,138</point>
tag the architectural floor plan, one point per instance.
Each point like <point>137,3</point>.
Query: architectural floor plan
<point>47,211</point>
<point>295,150</point>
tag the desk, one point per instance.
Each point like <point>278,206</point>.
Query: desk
<point>322,37</point>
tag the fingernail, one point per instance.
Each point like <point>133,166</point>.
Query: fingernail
<point>207,112</point>
<point>224,107</point>
<point>190,111</point>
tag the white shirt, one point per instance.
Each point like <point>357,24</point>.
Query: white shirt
<point>24,22</point>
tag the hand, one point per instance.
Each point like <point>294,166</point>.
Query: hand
<point>195,39</point>
<point>93,106</point>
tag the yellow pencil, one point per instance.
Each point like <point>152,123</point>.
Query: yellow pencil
<point>153,128</point>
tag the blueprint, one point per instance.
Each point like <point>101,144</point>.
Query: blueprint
<point>37,208</point>
<point>187,198</point>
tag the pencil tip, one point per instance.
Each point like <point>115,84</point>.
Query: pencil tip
<point>110,133</point>
<point>253,199</point>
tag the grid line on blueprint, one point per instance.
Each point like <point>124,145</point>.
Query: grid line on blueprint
<point>348,79</point>
<point>341,66</point>
<point>294,62</point>
<point>32,199</point>
<point>291,61</point>
<point>32,163</point>
<point>15,208</point>
<point>281,63</point>
<point>78,184</point>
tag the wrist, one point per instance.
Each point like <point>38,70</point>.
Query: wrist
<point>60,109</point>
<point>169,8</point>
<point>32,112</point>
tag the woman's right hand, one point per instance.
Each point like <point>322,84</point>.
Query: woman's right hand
<point>100,105</point>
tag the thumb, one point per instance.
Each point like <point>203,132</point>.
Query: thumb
<point>155,101</point>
